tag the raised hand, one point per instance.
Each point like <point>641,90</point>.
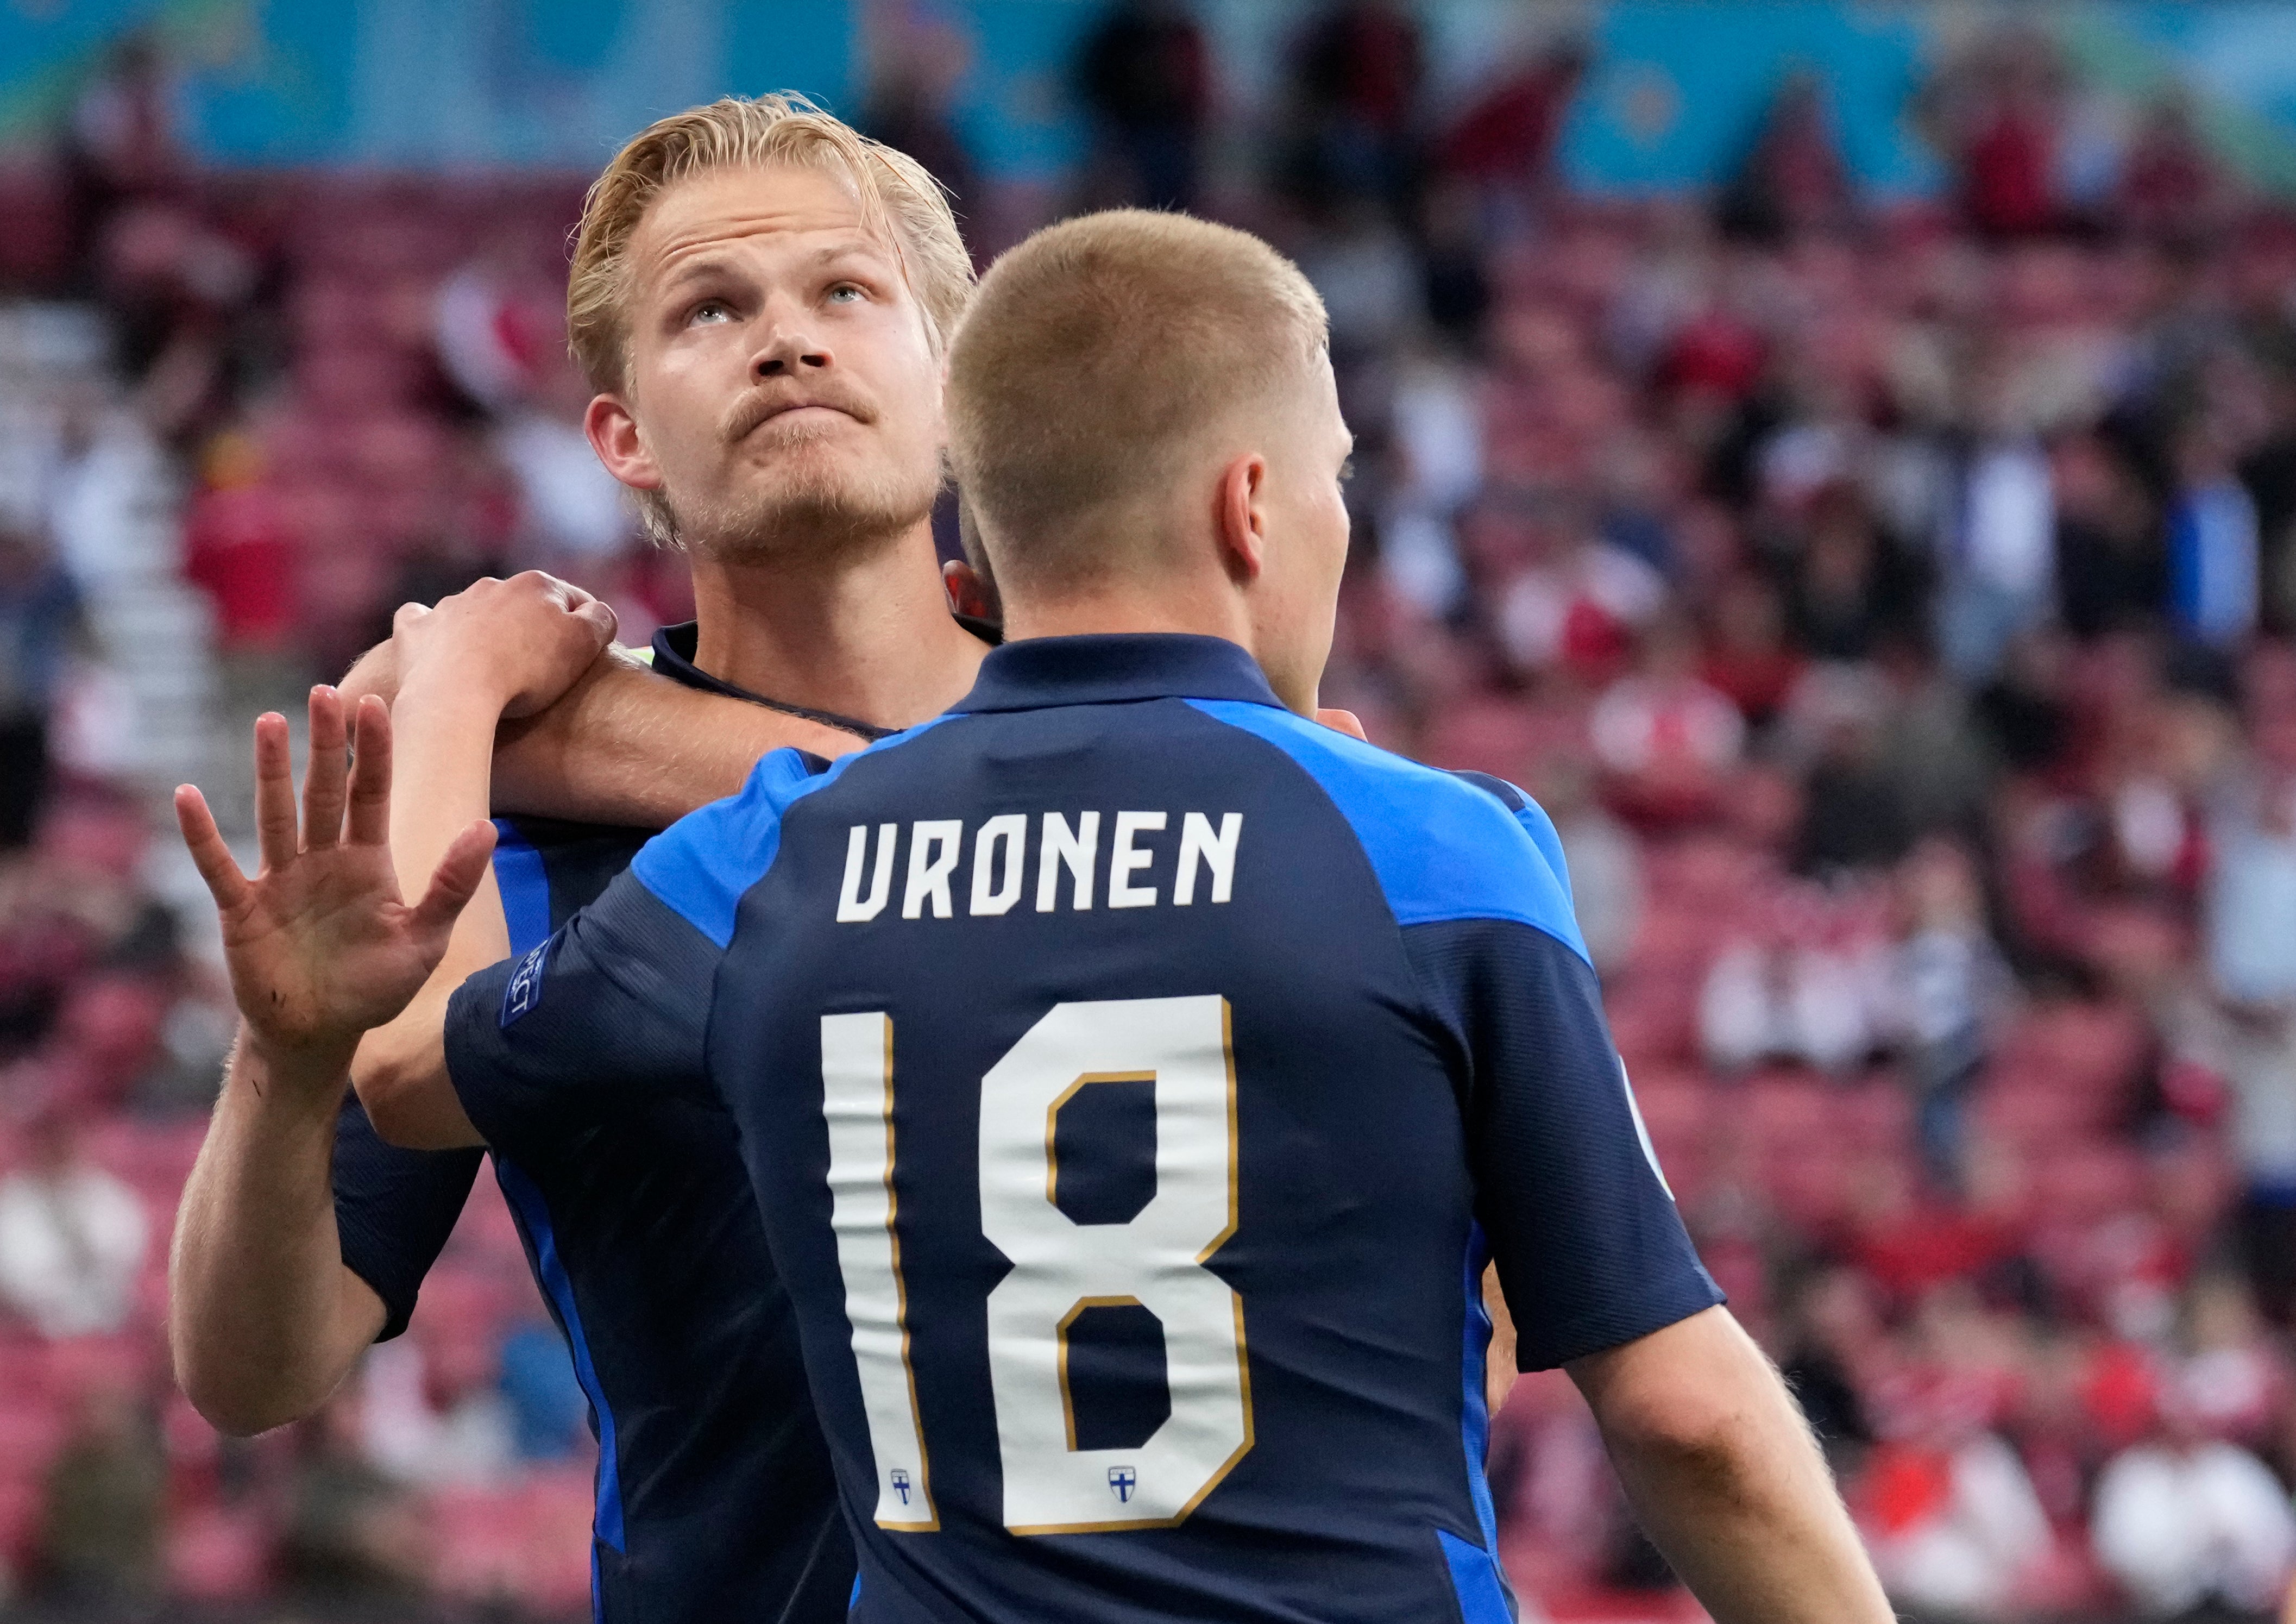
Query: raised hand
<point>523,642</point>
<point>319,946</point>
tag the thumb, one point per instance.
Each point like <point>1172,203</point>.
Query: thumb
<point>1344,721</point>
<point>456,880</point>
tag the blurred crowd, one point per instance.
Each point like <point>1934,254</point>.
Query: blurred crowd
<point>1891,603</point>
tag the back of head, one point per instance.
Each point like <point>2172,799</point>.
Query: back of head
<point>1101,360</point>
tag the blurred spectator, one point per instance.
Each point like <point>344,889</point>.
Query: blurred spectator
<point>1950,1515</point>
<point>350,1531</point>
<point>2172,189</point>
<point>916,58</point>
<point>1999,537</point>
<point>1997,115</point>
<point>1666,740</point>
<point>575,521</point>
<point>40,625</point>
<point>1852,816</point>
<point>2112,569</point>
<point>1834,1337</point>
<point>1952,987</point>
<point>120,139</point>
<point>72,1237</point>
<point>2252,955</point>
<point>1606,863</point>
<point>435,1410</point>
<point>1805,985</point>
<point>1792,182</point>
<point>1144,77</point>
<point>1850,588</point>
<point>1355,79</point>
<point>99,1542</point>
<point>2212,546</point>
<point>2186,1522</point>
<point>1748,659</point>
<point>1505,143</point>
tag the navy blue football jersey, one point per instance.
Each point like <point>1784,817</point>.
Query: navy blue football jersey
<point>1134,1077</point>
<point>715,1497</point>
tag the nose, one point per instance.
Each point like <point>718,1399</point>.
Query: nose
<point>788,350</point>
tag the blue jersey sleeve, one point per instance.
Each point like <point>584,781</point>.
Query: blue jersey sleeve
<point>394,1209</point>
<point>1590,1249</point>
<point>614,1002</point>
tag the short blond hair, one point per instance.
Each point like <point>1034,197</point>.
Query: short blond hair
<point>898,197</point>
<point>1093,359</point>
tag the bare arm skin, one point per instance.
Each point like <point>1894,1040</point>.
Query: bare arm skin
<point>499,649</point>
<point>623,745</point>
<point>626,746</point>
<point>1726,1478</point>
<point>264,1318</point>
<point>1498,1361</point>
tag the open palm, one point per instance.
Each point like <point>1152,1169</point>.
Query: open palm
<point>319,945</point>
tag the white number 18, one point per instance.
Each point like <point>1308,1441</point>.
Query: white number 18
<point>1059,1266</point>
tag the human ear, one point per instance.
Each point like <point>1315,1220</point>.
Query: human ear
<point>970,593</point>
<point>1241,517</point>
<point>613,434</point>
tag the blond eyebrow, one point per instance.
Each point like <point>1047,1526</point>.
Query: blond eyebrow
<point>867,247</point>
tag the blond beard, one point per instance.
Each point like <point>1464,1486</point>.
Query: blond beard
<point>815,516</point>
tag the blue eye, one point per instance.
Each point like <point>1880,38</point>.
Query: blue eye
<point>711,309</point>
<point>845,290</point>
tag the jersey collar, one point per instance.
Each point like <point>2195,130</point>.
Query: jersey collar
<point>1111,667</point>
<point>673,657</point>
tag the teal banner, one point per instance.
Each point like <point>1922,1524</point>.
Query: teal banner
<point>1674,94</point>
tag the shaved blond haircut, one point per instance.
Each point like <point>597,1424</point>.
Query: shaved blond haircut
<point>899,201</point>
<point>1096,359</point>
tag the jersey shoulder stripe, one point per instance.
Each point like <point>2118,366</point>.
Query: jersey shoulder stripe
<point>1444,845</point>
<point>525,887</point>
<point>701,866</point>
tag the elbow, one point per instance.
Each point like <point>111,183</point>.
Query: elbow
<point>235,1415</point>
<point>380,1080</point>
<point>388,1081</point>
<point>1692,1434</point>
<point>402,1083</point>
<point>225,1392</point>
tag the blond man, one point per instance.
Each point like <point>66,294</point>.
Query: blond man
<point>761,299</point>
<point>1133,1075</point>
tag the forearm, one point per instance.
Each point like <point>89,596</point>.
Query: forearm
<point>444,749</point>
<point>264,1319</point>
<point>625,746</point>
<point>1727,1481</point>
<point>374,672</point>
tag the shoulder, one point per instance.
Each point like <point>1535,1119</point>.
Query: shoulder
<point>1444,845</point>
<point>701,866</point>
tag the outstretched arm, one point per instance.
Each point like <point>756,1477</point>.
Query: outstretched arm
<point>498,649</point>
<point>1726,1478</point>
<point>264,1318</point>
<point>622,745</point>
<point>625,746</point>
<point>486,718</point>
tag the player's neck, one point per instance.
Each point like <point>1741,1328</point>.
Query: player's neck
<point>1203,607</point>
<point>1174,605</point>
<point>869,637</point>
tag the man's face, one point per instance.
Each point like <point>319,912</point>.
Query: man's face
<point>782,391</point>
<point>1297,596</point>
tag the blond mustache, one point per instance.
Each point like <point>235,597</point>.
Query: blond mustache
<point>747,412</point>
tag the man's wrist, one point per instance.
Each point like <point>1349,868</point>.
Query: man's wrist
<point>312,1073</point>
<point>434,686</point>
